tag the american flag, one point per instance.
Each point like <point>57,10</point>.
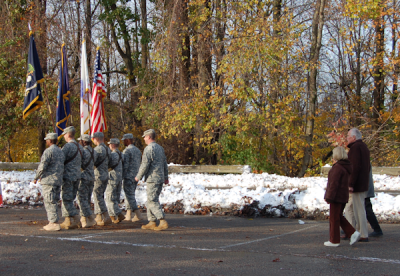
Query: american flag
<point>98,115</point>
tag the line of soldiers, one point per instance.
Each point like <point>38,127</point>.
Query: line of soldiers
<point>77,170</point>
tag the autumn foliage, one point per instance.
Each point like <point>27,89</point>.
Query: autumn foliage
<point>222,82</point>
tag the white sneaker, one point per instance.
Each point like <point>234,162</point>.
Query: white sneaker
<point>355,237</point>
<point>328,243</point>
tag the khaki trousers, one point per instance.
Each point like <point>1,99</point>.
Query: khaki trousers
<point>355,213</point>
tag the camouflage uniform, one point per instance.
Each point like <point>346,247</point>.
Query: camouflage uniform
<point>101,177</point>
<point>85,189</point>
<point>71,177</point>
<point>113,190</point>
<point>155,170</point>
<point>132,159</point>
<point>50,173</point>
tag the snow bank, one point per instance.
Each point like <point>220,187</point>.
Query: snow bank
<point>228,190</point>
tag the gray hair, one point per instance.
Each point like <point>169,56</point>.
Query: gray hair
<point>355,132</point>
<point>339,153</point>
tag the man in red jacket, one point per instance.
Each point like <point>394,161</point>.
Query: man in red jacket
<point>358,182</point>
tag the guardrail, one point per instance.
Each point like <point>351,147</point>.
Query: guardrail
<point>375,170</point>
<point>214,169</point>
<point>393,171</point>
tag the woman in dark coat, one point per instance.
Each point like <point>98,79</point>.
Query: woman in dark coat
<point>337,195</point>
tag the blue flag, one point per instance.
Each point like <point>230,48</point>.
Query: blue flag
<point>33,96</point>
<point>63,104</point>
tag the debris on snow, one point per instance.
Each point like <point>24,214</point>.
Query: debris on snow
<point>247,194</point>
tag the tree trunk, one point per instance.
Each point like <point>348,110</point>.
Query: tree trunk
<point>42,52</point>
<point>396,69</point>
<point>126,55</point>
<point>78,42</point>
<point>145,34</point>
<point>275,79</point>
<point>9,151</point>
<point>316,42</point>
<point>42,34</point>
<point>204,54</point>
<point>41,141</point>
<point>378,94</point>
<point>358,84</point>
<point>185,47</point>
<point>88,34</point>
<point>184,67</point>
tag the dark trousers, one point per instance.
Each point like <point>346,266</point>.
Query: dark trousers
<point>371,216</point>
<point>337,220</point>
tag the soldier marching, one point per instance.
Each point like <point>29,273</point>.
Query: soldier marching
<point>77,170</point>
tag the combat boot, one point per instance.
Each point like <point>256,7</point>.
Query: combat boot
<point>88,222</point>
<point>99,220</point>
<point>106,218</point>
<point>162,226</point>
<point>121,217</point>
<point>138,216</point>
<point>84,222</point>
<point>128,215</point>
<point>68,223</point>
<point>77,220</point>
<point>150,226</point>
<point>114,219</point>
<point>52,227</point>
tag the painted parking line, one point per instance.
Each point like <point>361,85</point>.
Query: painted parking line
<point>268,238</point>
<point>94,235</point>
<point>342,257</point>
<point>327,256</point>
<point>112,242</point>
<point>14,221</point>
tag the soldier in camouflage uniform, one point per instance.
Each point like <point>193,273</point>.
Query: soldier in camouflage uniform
<point>114,186</point>
<point>101,164</point>
<point>132,159</point>
<point>154,168</point>
<point>50,173</point>
<point>85,189</point>
<point>71,178</point>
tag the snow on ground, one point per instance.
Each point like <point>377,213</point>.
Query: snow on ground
<point>269,189</point>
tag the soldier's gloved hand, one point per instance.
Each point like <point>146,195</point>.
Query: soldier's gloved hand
<point>166,181</point>
<point>34,181</point>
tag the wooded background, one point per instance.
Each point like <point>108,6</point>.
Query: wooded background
<point>272,84</point>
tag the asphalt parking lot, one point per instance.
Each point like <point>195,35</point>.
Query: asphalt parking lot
<point>193,245</point>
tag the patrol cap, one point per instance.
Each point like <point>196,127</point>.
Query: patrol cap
<point>114,141</point>
<point>51,136</point>
<point>98,135</point>
<point>68,129</point>
<point>149,132</point>
<point>127,136</point>
<point>85,137</point>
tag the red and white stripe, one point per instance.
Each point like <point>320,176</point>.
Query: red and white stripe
<point>99,123</point>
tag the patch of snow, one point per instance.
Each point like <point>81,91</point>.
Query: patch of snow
<point>191,189</point>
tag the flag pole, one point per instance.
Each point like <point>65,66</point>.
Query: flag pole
<point>89,101</point>
<point>90,115</point>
